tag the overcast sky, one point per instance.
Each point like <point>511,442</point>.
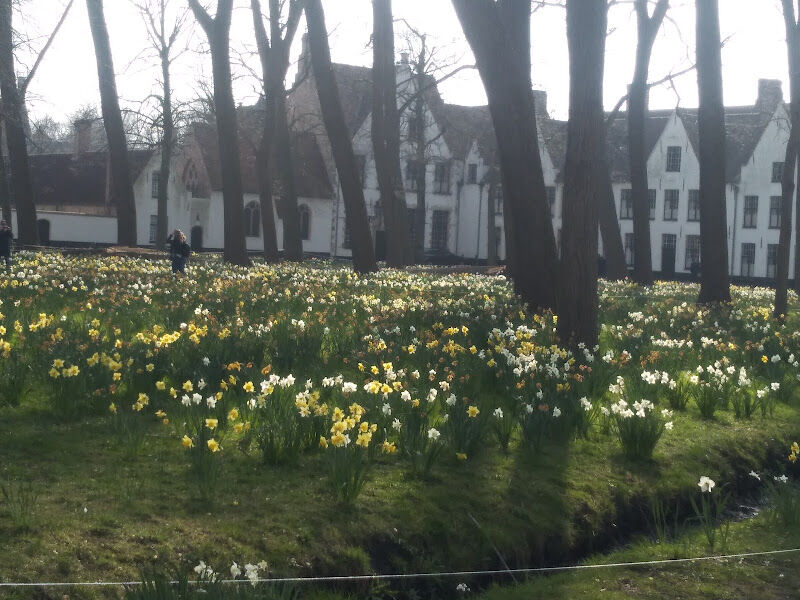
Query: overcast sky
<point>67,79</point>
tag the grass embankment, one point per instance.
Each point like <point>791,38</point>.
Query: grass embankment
<point>101,513</point>
<point>771,577</point>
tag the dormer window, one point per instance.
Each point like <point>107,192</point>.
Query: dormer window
<point>673,159</point>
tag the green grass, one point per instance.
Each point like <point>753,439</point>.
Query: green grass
<point>763,577</point>
<point>102,513</point>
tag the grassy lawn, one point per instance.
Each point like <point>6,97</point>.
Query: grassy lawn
<point>96,462</point>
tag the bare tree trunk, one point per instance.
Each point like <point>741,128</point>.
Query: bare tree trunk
<point>292,242</point>
<point>499,35</point>
<point>491,234</point>
<point>5,192</point>
<point>714,284</point>
<point>339,136</point>
<point>386,134</point>
<point>167,144</point>
<point>121,184</point>
<point>790,161</point>
<point>275,141</point>
<point>586,37</point>
<point>12,109</point>
<point>218,32</point>
<point>614,251</point>
<point>421,172</point>
<point>796,281</point>
<point>647,28</point>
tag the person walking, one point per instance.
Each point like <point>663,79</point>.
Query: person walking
<point>179,251</point>
<point>6,240</point>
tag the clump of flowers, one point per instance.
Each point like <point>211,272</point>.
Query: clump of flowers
<point>639,427</point>
<point>348,450</point>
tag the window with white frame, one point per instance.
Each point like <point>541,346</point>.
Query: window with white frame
<point>692,251</point>
<point>673,159</point>
<point>153,228</point>
<point>629,249</point>
<point>551,199</point>
<point>651,200</point>
<point>155,180</point>
<point>777,172</point>
<point>441,178</point>
<point>439,229</point>
<point>748,259</point>
<point>671,201</point>
<point>414,171</point>
<point>625,204</point>
<point>775,212</point>
<point>304,214</point>
<point>472,173</point>
<point>750,212</point>
<point>252,219</point>
<point>772,260</point>
<point>694,206</point>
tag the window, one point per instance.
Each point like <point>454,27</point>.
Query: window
<point>155,180</point>
<point>629,249</point>
<point>497,191</point>
<point>651,199</point>
<point>777,172</point>
<point>472,173</point>
<point>304,214</point>
<point>412,225</point>
<point>692,251</point>
<point>346,243</point>
<point>361,163</point>
<point>414,127</point>
<point>750,212</point>
<point>441,178</point>
<point>498,234</point>
<point>439,229</point>
<point>748,259</point>
<point>414,171</point>
<point>772,260</point>
<point>694,206</point>
<point>671,205</point>
<point>558,243</point>
<point>673,159</point>
<point>252,220</point>
<point>668,241</point>
<point>775,212</point>
<point>153,228</point>
<point>625,204</point>
<point>551,200</point>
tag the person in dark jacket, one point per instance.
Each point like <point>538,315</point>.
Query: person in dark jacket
<point>178,250</point>
<point>6,240</point>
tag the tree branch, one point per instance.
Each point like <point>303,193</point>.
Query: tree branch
<point>24,87</point>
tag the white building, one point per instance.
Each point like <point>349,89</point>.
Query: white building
<point>74,204</point>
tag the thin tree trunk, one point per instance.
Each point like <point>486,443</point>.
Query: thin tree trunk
<point>796,282</point>
<point>647,28</point>
<point>12,109</point>
<point>421,172</point>
<point>339,136</point>
<point>491,233</point>
<point>292,242</point>
<point>5,192</point>
<point>218,32</point>
<point>790,161</point>
<point>499,35</point>
<point>714,283</point>
<point>586,38</point>
<point>167,144</point>
<point>613,249</point>
<point>386,134</point>
<point>121,184</point>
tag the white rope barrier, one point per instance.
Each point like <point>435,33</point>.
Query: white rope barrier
<point>395,576</point>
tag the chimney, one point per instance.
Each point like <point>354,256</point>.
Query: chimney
<point>83,136</point>
<point>304,61</point>
<point>540,103</point>
<point>770,94</point>
<point>404,58</point>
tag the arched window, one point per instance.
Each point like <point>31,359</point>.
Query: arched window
<point>252,220</point>
<point>305,221</point>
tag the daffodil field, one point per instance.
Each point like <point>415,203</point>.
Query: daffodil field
<point>401,382</point>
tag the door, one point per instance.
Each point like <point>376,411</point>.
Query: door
<point>196,241</point>
<point>380,245</point>
<point>43,228</point>
<point>668,242</point>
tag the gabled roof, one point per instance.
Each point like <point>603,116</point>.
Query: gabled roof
<point>78,183</point>
<point>310,177</point>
